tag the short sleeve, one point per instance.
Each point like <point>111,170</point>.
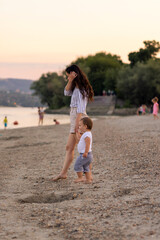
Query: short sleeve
<point>87,134</point>
<point>67,93</point>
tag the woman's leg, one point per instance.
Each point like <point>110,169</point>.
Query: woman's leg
<point>71,143</point>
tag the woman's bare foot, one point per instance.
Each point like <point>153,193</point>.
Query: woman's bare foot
<point>59,177</point>
<point>77,180</point>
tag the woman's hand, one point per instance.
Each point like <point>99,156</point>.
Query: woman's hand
<point>78,136</point>
<point>71,76</point>
<point>77,127</point>
<point>79,115</point>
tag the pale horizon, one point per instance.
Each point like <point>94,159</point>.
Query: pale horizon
<point>39,36</point>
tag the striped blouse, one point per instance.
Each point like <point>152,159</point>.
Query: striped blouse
<point>77,100</point>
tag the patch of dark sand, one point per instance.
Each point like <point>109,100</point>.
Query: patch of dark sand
<point>29,145</point>
<point>50,198</point>
<point>11,138</point>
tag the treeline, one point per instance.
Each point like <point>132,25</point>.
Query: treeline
<point>135,83</point>
<point>13,99</point>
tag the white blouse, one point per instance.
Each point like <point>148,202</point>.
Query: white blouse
<point>77,100</point>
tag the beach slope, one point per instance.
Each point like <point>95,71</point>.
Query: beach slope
<point>122,203</point>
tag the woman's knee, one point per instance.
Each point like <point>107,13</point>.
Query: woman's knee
<point>69,148</point>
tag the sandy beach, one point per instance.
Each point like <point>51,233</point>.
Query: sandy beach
<point>123,202</point>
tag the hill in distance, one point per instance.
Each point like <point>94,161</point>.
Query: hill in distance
<point>15,85</point>
<point>16,92</point>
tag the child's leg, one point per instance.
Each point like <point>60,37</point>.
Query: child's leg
<point>90,168</point>
<point>88,177</point>
<point>79,169</point>
<point>90,158</point>
<point>156,116</point>
<point>80,177</point>
<point>87,171</point>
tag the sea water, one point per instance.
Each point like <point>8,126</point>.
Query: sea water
<point>28,117</point>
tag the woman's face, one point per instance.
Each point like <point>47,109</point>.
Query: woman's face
<point>71,76</point>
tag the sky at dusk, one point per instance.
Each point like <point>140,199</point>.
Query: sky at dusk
<point>38,36</point>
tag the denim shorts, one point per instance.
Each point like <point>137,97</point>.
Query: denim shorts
<point>82,163</point>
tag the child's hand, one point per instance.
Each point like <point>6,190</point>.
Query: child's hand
<point>85,155</point>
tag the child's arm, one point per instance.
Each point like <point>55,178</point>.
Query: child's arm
<point>87,141</point>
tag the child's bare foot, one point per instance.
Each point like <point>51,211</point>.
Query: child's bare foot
<point>77,180</point>
<point>84,178</point>
<point>88,181</point>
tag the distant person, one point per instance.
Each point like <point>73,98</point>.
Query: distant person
<point>155,108</point>
<point>5,121</point>
<point>104,93</point>
<point>82,164</point>
<point>56,122</point>
<point>109,92</point>
<point>140,110</point>
<point>41,116</point>
<point>144,109</point>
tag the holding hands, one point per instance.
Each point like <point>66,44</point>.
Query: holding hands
<point>85,155</point>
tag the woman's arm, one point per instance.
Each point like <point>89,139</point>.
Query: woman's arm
<point>67,90</point>
<point>68,86</point>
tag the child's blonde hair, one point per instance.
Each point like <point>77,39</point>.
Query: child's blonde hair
<point>155,99</point>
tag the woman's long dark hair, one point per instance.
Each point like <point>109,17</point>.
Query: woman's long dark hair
<point>82,82</point>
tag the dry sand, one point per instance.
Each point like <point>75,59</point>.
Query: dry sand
<point>122,203</point>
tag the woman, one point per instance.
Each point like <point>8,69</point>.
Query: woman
<point>80,90</point>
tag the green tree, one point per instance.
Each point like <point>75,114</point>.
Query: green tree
<point>144,54</point>
<point>50,89</point>
<point>139,84</point>
<point>101,70</point>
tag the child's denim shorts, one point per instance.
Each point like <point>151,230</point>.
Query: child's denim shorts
<point>82,163</point>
